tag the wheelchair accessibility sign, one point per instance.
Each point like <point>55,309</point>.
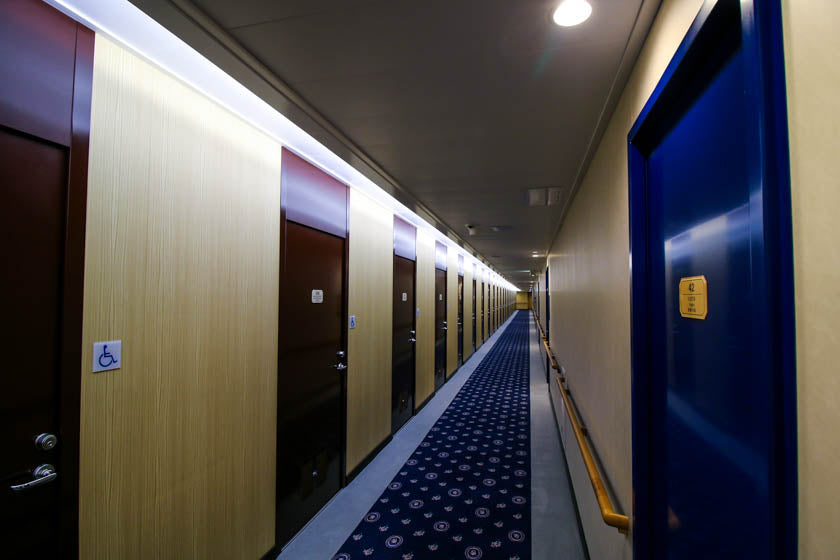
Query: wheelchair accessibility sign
<point>107,355</point>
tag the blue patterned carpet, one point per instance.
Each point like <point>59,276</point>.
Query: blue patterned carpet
<point>466,491</point>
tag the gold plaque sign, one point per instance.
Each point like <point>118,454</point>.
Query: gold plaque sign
<point>694,297</point>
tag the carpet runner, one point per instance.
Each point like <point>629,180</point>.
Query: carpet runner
<point>466,490</point>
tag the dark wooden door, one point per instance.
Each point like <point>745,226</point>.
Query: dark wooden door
<point>473,315</point>
<point>33,179</point>
<point>491,308</point>
<point>310,387</point>
<point>404,338</point>
<point>46,70</point>
<point>482,313</point>
<point>440,328</point>
<point>460,320</point>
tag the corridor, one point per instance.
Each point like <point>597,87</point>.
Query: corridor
<point>345,279</point>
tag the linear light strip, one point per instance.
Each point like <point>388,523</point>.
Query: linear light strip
<point>131,27</point>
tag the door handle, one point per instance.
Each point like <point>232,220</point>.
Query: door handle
<point>412,340</point>
<point>43,474</point>
<point>340,367</point>
<point>443,328</point>
<point>412,333</point>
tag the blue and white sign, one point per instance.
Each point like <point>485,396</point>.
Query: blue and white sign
<point>107,355</point>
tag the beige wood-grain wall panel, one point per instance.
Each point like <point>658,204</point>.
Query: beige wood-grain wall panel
<point>590,296</point>
<point>371,287</point>
<point>468,311</point>
<point>178,446</point>
<point>813,79</point>
<point>424,375</point>
<point>451,311</point>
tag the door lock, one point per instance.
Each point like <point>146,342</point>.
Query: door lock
<point>45,442</point>
<point>412,340</point>
<point>340,367</point>
<point>43,474</point>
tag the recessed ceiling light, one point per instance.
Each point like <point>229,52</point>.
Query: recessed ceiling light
<point>572,12</point>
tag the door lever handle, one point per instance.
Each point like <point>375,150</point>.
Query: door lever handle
<point>340,367</point>
<point>412,340</point>
<point>43,474</point>
<point>443,328</point>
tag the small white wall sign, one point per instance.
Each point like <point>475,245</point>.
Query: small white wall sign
<point>317,296</point>
<point>404,296</point>
<point>352,321</point>
<point>107,355</point>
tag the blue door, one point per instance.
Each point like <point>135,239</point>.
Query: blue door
<point>712,393</point>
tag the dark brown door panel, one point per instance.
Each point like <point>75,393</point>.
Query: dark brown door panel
<point>404,339</point>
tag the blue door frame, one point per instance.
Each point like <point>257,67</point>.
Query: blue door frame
<point>547,326</point>
<point>771,252</point>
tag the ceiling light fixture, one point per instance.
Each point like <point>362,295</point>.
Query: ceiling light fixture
<point>572,12</point>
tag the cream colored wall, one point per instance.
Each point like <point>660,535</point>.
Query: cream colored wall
<point>177,446</point>
<point>424,384</point>
<point>590,298</point>
<point>813,79</point>
<point>370,299</point>
<point>451,312</point>
<point>468,310</point>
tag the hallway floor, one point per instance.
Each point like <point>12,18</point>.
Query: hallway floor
<point>456,481</point>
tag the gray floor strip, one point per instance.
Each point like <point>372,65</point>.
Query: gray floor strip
<point>555,530</point>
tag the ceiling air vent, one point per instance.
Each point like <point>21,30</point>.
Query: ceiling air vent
<point>545,196</point>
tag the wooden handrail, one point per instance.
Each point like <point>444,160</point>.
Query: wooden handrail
<point>611,518</point>
<point>551,356</point>
<point>608,514</point>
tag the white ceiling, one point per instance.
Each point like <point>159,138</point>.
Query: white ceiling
<point>464,104</point>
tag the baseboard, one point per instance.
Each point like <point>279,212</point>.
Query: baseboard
<point>424,403</point>
<point>366,461</point>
